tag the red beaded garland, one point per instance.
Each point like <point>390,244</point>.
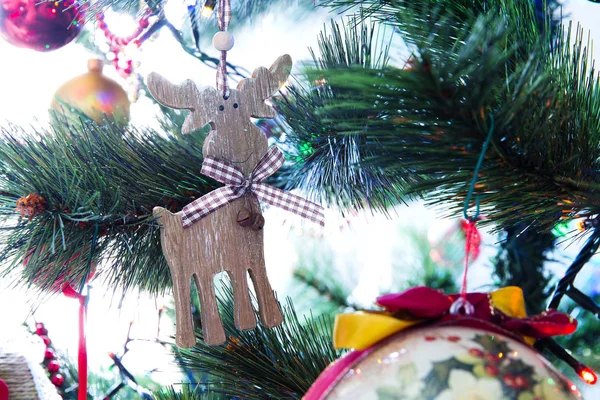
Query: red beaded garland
<point>41,331</point>
<point>49,354</point>
<point>53,366</point>
<point>58,380</point>
<point>46,339</point>
<point>117,44</point>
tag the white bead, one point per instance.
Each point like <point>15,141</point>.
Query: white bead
<point>223,41</point>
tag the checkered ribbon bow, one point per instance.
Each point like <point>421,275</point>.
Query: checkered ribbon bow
<point>236,185</point>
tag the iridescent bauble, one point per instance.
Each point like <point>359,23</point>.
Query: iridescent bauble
<point>444,363</point>
<point>93,95</point>
<point>40,25</point>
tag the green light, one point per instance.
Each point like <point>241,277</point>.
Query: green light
<point>306,149</point>
<point>47,46</point>
<point>561,229</point>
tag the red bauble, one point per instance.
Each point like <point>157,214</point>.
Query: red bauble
<point>39,25</point>
<point>53,366</point>
<point>49,354</point>
<point>58,380</point>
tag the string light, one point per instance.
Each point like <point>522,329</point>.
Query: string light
<point>587,375</point>
<point>208,8</point>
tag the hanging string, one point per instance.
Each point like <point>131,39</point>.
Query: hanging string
<point>461,304</point>
<point>488,139</point>
<point>223,19</point>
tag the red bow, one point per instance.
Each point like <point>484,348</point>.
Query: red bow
<point>425,303</point>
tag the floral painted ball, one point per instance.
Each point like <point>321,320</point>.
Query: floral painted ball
<point>444,363</point>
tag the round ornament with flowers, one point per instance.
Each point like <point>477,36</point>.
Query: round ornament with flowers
<point>452,363</point>
<point>422,346</point>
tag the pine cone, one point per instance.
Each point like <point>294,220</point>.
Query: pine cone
<point>31,205</point>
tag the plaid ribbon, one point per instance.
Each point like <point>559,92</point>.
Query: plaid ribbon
<point>236,185</point>
<point>223,19</point>
<point>224,15</point>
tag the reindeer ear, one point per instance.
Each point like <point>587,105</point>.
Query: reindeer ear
<point>266,82</point>
<point>185,96</point>
<point>280,70</point>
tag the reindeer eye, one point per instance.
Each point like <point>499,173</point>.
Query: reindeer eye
<point>235,105</point>
<point>221,108</point>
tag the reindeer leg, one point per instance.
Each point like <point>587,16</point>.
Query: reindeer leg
<point>212,326</point>
<point>244,316</point>
<point>185,336</point>
<point>269,310</point>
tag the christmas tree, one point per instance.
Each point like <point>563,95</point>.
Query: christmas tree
<point>482,113</point>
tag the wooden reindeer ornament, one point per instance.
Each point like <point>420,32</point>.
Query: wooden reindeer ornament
<point>206,238</point>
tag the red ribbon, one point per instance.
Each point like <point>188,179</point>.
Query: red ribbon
<point>430,304</point>
<point>82,362</point>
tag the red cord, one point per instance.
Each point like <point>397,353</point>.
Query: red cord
<point>82,363</point>
<point>82,355</point>
<point>470,230</point>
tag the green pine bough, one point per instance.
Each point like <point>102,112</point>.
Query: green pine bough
<point>261,363</point>
<point>98,185</point>
<point>417,131</point>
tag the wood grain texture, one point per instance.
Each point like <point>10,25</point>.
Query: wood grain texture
<point>217,242</point>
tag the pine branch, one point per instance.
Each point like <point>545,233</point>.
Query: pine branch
<point>424,126</point>
<point>327,164</point>
<point>188,392</point>
<point>280,362</point>
<point>324,284</point>
<point>100,185</point>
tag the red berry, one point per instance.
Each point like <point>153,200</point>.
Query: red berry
<point>509,380</point>
<point>476,352</point>
<point>41,332</point>
<point>453,338</point>
<point>46,339</point>
<point>58,380</point>
<point>40,329</point>
<point>521,381</point>
<point>49,355</point>
<point>429,338</point>
<point>491,370</point>
<point>491,357</point>
<point>53,366</point>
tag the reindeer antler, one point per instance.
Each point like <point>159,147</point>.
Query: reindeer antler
<point>183,96</point>
<point>180,96</point>
<point>265,82</point>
